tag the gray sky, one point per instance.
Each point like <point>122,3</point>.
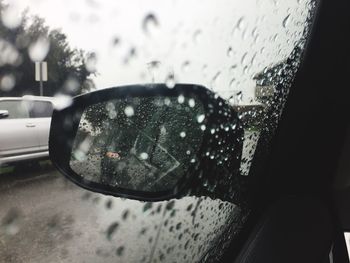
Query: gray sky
<point>219,44</point>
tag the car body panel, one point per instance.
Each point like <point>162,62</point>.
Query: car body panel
<point>42,130</point>
<point>17,136</point>
<point>24,138</point>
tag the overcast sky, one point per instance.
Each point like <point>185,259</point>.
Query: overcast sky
<point>220,44</point>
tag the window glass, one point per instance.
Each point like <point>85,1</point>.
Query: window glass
<point>16,108</point>
<point>40,109</point>
<point>247,52</point>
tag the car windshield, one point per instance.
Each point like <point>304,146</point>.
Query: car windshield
<point>246,52</point>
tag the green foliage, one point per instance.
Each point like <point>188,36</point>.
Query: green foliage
<point>66,66</point>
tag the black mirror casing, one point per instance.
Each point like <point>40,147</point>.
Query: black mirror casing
<point>216,170</point>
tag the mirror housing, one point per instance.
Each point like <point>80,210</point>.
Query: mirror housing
<point>214,170</point>
<point>4,114</point>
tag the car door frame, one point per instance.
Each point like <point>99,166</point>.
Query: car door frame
<point>300,160</point>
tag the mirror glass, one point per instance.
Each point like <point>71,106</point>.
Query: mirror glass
<point>140,143</point>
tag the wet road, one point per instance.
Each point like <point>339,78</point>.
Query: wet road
<point>39,218</point>
<point>45,218</point>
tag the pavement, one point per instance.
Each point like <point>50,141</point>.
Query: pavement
<point>45,218</point>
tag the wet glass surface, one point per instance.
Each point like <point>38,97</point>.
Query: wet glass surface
<point>143,144</point>
<point>245,51</point>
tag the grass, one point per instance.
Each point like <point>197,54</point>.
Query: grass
<point>6,169</point>
<point>44,164</point>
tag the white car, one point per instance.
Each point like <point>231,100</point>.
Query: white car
<point>24,128</point>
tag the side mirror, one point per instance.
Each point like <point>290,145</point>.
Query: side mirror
<point>4,114</point>
<point>149,142</point>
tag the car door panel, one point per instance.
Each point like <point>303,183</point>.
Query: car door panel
<point>17,133</point>
<point>17,136</point>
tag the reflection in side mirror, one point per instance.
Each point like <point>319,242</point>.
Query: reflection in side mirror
<point>4,114</point>
<point>149,142</point>
<point>138,143</point>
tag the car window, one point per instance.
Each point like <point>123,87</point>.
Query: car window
<point>16,108</point>
<point>246,52</point>
<point>40,109</point>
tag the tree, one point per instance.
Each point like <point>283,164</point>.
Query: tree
<point>67,70</point>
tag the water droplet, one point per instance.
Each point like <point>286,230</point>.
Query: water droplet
<point>129,111</point>
<point>111,230</point>
<point>7,82</point>
<point>233,68</point>
<point>230,52</point>
<point>244,57</point>
<point>11,222</point>
<point>91,62</point>
<point>62,101</point>
<point>240,23</point>
<point>181,99</point>
<point>112,114</point>
<point>109,204</point>
<point>125,215</point>
<point>215,78</point>
<point>129,55</point>
<point>239,96</point>
<point>286,21</point>
<point>170,205</point>
<point>120,251</point>
<point>167,101</point>
<point>200,118</point>
<point>191,103</point>
<point>182,134</point>
<point>186,66</point>
<point>11,16</point>
<point>232,83</point>
<point>150,23</point>
<point>197,36</point>
<point>154,64</point>
<point>275,38</point>
<point>189,207</point>
<point>178,226</point>
<point>153,67</point>
<point>170,80</point>
<point>71,85</point>
<point>144,156</point>
<point>39,49</point>
<point>147,206</point>
<point>115,41</point>
<point>254,32</point>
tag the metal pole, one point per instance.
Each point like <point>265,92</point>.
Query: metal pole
<point>41,78</point>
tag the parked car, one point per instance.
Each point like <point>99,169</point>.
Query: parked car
<point>25,124</point>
